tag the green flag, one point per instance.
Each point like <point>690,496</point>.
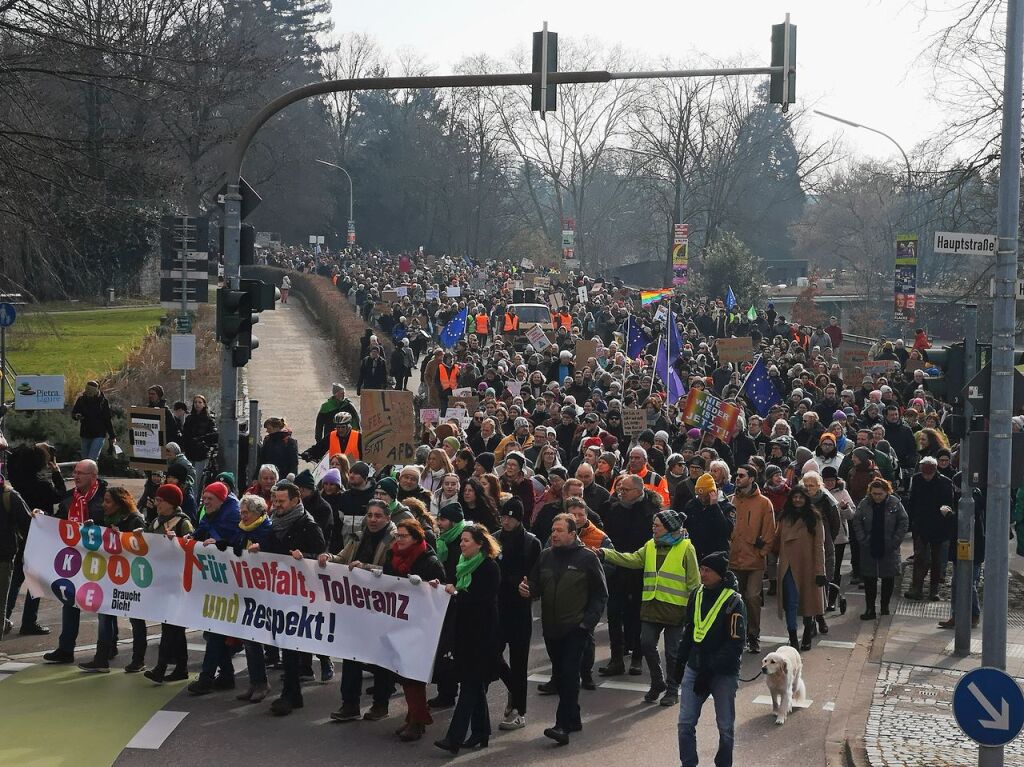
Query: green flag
<point>751,313</point>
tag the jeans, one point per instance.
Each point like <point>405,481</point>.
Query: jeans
<point>217,657</point>
<point>750,585</point>
<point>30,613</point>
<point>255,662</point>
<point>649,635</point>
<point>91,447</point>
<point>566,653</point>
<point>70,618</point>
<point>975,577</point>
<point>723,691</point>
<point>352,682</point>
<point>790,599</point>
<point>624,593</point>
<point>470,712</point>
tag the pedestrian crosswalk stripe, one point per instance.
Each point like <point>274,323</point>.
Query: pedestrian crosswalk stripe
<point>159,727</point>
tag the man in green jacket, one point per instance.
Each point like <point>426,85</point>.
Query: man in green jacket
<point>336,403</point>
<point>569,581</point>
<point>669,562</point>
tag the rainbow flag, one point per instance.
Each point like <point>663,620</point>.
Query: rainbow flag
<point>650,296</point>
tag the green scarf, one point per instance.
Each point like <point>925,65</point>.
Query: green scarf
<point>465,568</point>
<point>449,535</point>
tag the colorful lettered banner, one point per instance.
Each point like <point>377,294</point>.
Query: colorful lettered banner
<point>275,600</point>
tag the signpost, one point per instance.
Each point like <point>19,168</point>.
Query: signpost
<point>989,707</point>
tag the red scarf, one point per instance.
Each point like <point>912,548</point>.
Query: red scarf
<point>402,559</point>
<point>78,511</point>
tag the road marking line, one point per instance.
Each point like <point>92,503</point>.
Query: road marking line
<point>766,700</point>
<point>157,729</point>
<point>4,676</point>
<point>538,678</point>
<point>12,666</point>
<point>830,706</point>
<point>836,645</point>
<point>628,686</point>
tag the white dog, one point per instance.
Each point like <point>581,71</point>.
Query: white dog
<point>783,670</point>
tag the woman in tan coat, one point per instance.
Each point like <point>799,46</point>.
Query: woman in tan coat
<point>801,549</point>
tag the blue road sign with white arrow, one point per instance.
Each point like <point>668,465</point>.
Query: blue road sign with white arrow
<point>7,315</point>
<point>989,706</point>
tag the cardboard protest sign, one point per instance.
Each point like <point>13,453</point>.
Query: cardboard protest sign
<point>851,360</point>
<point>634,420</point>
<point>388,425</point>
<point>471,404</point>
<point>735,350</point>
<point>389,297</point>
<point>584,351</point>
<point>536,336</point>
<point>148,435</point>
<point>876,368</point>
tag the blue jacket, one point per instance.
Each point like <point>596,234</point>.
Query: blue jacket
<point>258,535</point>
<point>221,525</point>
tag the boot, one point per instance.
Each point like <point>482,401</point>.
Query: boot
<point>822,626</point>
<point>805,640</point>
<point>100,664</point>
<point>615,667</point>
<point>179,674</point>
<point>156,674</point>
<point>412,731</point>
<point>793,642</point>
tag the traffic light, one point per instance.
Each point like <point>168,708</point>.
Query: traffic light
<point>782,88</point>
<point>551,102</point>
<point>238,311</point>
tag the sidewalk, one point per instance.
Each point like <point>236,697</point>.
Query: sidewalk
<point>909,719</point>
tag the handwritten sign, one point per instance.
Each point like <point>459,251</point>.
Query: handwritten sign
<point>536,336</point>
<point>851,360</point>
<point>584,351</point>
<point>388,423</point>
<point>734,350</point>
<point>634,420</point>
<point>147,431</point>
<point>430,415</point>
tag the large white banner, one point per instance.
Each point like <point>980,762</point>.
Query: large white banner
<point>275,600</point>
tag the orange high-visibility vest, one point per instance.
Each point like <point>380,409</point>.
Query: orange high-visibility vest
<point>351,446</point>
<point>511,322</point>
<point>562,320</point>
<point>448,377</point>
<point>481,324</point>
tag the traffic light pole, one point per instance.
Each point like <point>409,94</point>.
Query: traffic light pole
<point>232,199</point>
<point>993,648</point>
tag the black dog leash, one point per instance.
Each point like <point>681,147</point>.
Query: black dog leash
<point>753,678</point>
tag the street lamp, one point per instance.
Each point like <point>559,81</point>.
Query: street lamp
<point>351,201</point>
<point>852,124</point>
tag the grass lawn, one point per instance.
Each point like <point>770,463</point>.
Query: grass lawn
<point>78,344</point>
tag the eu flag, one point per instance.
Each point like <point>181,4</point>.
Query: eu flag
<point>730,299</point>
<point>636,338</point>
<point>454,330</point>
<point>667,373</point>
<point>759,388</point>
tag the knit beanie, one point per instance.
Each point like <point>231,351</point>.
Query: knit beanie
<point>486,460</point>
<point>177,471</point>
<point>305,479</point>
<point>228,478</point>
<point>513,507</point>
<point>717,561</point>
<point>705,483</point>
<point>332,476</point>
<point>388,486</point>
<point>452,512</point>
<point>452,442</point>
<point>218,490</point>
<point>170,493</point>
<point>361,468</point>
<point>672,520</point>
<point>864,454</point>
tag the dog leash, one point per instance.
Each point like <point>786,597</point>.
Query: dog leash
<point>753,678</point>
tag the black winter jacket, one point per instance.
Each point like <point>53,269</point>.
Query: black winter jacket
<point>721,651</point>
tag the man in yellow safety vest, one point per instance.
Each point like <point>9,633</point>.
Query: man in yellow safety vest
<point>710,656</point>
<point>669,562</point>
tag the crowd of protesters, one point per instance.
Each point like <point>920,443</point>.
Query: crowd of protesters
<point>676,535</point>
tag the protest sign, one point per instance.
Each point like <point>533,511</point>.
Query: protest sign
<point>388,425</point>
<point>453,291</point>
<point>432,294</point>
<point>265,598</point>
<point>463,391</point>
<point>556,301</point>
<point>541,281</point>
<point>851,360</point>
<point>536,336</point>
<point>321,468</point>
<point>456,413</point>
<point>581,293</point>
<point>147,432</point>
<point>584,351</point>
<point>514,387</point>
<point>634,420</point>
<point>402,292</point>
<point>734,350</point>
<point>430,415</point>
<point>876,368</point>
<point>470,404</point>
<point>389,297</point>
<point>708,413</point>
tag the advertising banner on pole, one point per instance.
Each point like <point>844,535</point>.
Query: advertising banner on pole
<point>680,254</point>
<point>266,598</point>
<point>905,305</point>
<point>39,393</point>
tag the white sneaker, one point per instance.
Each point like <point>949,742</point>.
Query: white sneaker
<point>513,721</point>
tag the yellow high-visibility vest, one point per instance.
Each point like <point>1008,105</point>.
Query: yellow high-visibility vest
<point>669,583</point>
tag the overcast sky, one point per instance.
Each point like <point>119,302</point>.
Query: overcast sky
<point>860,59</point>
